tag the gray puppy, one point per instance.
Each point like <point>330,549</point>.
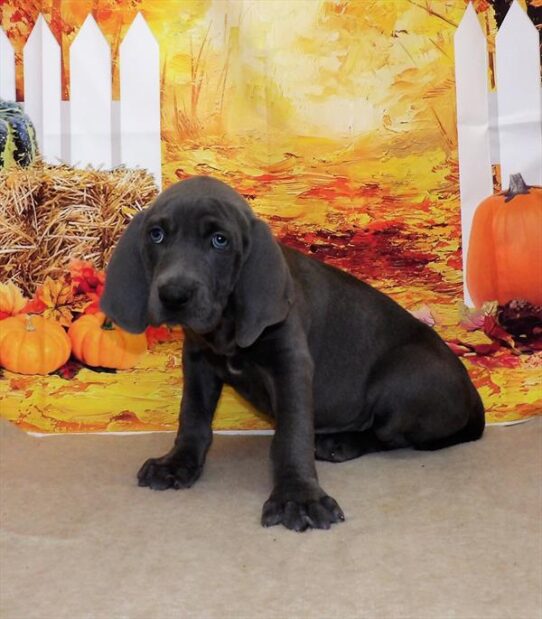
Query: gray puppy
<point>341,367</point>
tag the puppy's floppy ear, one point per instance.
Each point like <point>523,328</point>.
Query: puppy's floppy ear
<point>126,293</point>
<point>264,291</point>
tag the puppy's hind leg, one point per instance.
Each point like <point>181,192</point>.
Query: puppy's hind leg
<point>421,397</point>
<point>342,446</point>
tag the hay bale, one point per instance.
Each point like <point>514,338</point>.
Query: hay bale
<point>51,215</point>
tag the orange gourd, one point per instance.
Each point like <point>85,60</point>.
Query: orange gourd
<point>12,300</point>
<point>504,260</point>
<point>31,344</point>
<point>97,342</point>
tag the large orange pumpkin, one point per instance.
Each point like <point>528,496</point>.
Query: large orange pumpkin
<point>505,249</point>
<point>31,344</point>
<point>96,341</point>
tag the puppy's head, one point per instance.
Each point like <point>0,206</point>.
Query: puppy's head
<point>197,249</point>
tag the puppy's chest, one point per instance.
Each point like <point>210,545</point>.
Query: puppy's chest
<point>248,378</point>
<point>234,368</point>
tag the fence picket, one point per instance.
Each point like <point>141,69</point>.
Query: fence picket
<point>519,102</point>
<point>140,99</point>
<point>42,90</point>
<point>471,74</point>
<point>7,68</point>
<point>90,94</point>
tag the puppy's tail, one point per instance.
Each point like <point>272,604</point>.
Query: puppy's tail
<point>472,431</point>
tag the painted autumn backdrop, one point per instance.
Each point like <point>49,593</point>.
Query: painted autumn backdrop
<point>336,120</point>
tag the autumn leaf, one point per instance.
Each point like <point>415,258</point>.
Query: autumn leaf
<point>86,279</point>
<point>480,5</point>
<point>56,292</point>
<point>70,369</point>
<point>155,335</point>
<point>56,296</point>
<point>423,314</point>
<point>462,349</point>
<point>473,319</point>
<point>92,307</point>
<point>81,304</point>
<point>495,332</point>
<point>88,284</point>
<point>62,315</point>
<point>34,306</point>
<point>20,383</point>
<point>458,348</point>
<point>501,360</point>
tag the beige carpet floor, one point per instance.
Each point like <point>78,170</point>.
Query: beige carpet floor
<point>450,534</point>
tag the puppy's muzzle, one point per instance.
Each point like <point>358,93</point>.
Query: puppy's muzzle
<point>175,295</point>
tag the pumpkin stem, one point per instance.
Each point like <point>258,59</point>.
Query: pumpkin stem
<point>29,324</point>
<point>517,186</point>
<point>108,325</point>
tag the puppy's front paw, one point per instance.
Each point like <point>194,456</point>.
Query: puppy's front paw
<point>169,472</point>
<point>299,514</point>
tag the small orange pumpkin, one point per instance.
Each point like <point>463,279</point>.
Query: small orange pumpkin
<point>504,260</point>
<point>12,300</point>
<point>31,344</point>
<point>96,341</point>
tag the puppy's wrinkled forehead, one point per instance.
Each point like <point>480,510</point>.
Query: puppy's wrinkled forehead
<point>200,197</point>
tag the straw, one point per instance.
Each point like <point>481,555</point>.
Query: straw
<point>51,215</point>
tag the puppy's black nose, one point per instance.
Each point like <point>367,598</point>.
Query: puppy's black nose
<point>174,296</point>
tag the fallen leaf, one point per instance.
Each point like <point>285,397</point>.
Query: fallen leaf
<point>155,335</point>
<point>56,292</point>
<point>472,320</point>
<point>34,306</point>
<point>56,296</point>
<point>495,332</point>
<point>424,314</point>
<point>19,384</point>
<point>462,349</point>
<point>70,369</point>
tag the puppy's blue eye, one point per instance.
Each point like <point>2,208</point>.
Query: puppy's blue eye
<point>219,241</point>
<point>156,234</point>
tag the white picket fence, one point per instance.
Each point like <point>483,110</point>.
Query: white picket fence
<point>91,129</point>
<point>502,127</point>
